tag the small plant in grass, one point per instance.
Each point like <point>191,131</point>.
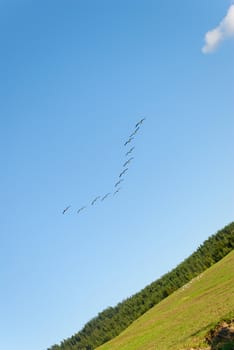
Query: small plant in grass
<point>228,346</point>
<point>221,337</point>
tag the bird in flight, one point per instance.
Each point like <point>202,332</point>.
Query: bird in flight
<point>117,183</point>
<point>95,199</point>
<point>64,211</point>
<point>106,195</point>
<point>79,210</point>
<point>128,161</point>
<point>134,133</point>
<point>117,191</point>
<point>129,140</point>
<point>129,151</point>
<point>137,129</point>
<point>123,172</point>
<point>140,122</point>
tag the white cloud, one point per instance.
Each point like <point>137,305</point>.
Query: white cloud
<point>223,31</point>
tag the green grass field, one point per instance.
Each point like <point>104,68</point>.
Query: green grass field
<point>182,320</point>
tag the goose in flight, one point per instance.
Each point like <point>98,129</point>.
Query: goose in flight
<point>140,122</point>
<point>117,183</point>
<point>117,191</point>
<point>79,210</point>
<point>106,195</point>
<point>64,211</point>
<point>95,199</point>
<point>123,172</point>
<point>128,161</point>
<point>130,151</point>
<point>134,133</point>
<point>137,129</point>
<point>129,140</point>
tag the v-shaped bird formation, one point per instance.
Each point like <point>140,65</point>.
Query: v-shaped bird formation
<point>116,186</point>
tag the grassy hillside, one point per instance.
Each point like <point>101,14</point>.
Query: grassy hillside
<point>112,321</point>
<point>182,320</point>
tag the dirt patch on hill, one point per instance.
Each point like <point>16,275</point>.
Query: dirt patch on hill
<point>222,336</point>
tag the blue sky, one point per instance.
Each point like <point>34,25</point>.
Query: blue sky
<point>76,76</point>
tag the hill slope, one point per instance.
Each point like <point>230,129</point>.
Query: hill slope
<point>113,320</point>
<point>182,320</point>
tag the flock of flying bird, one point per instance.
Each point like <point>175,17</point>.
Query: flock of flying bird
<point>117,187</point>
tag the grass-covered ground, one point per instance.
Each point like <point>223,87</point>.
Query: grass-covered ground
<point>182,320</point>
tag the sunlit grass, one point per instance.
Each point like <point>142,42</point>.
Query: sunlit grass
<point>182,320</point>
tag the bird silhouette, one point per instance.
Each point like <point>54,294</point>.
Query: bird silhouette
<point>64,211</point>
<point>117,191</point>
<point>95,199</point>
<point>117,183</point>
<point>140,122</point>
<point>128,161</point>
<point>123,172</point>
<point>135,131</point>
<point>106,195</point>
<point>129,140</point>
<point>79,210</point>
<point>130,151</point>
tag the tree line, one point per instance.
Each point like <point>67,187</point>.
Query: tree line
<point>113,320</point>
